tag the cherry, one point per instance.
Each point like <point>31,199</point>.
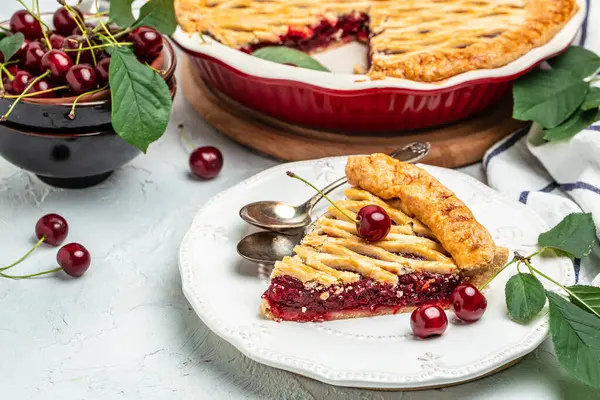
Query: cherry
<point>42,85</point>
<point>467,302</point>
<point>147,42</point>
<point>56,40</point>
<point>74,259</point>
<point>102,71</point>
<point>20,54</point>
<point>32,61</point>
<point>58,62</point>
<point>206,162</point>
<point>81,78</point>
<point>373,223</point>
<point>53,228</point>
<point>13,69</point>
<point>428,320</point>
<point>22,21</point>
<point>72,42</point>
<point>20,83</point>
<point>88,27</point>
<point>63,21</point>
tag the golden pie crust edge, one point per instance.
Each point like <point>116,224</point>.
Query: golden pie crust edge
<point>543,20</point>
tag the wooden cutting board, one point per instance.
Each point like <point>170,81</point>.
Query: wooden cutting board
<point>452,145</point>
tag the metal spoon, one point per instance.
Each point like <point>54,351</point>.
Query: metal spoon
<point>282,217</point>
<point>267,247</point>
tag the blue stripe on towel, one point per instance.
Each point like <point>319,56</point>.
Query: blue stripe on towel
<point>548,188</point>
<point>580,185</point>
<point>524,196</point>
<point>584,27</point>
<point>577,268</point>
<point>594,128</point>
<point>518,135</point>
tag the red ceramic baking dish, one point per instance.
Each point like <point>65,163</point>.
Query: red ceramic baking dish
<point>354,103</point>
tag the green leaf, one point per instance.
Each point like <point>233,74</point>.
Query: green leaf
<point>592,99</point>
<point>120,12</point>
<point>575,234</point>
<point>9,45</point>
<point>525,297</point>
<point>158,14</point>
<point>586,297</point>
<point>572,126</point>
<point>285,55</point>
<point>547,97</point>
<point>141,101</point>
<point>578,61</point>
<point>576,338</point>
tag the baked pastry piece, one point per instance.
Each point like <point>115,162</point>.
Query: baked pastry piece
<point>421,40</point>
<point>434,244</point>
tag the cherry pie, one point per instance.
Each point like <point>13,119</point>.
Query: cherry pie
<point>420,40</point>
<point>435,244</point>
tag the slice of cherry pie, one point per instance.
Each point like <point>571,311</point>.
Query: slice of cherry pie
<point>421,40</point>
<point>434,244</point>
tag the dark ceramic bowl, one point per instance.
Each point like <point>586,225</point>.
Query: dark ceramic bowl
<point>73,160</point>
<point>39,136</point>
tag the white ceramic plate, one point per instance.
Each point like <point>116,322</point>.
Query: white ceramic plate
<point>377,352</point>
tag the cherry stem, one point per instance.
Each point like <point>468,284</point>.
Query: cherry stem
<point>30,275</point>
<point>5,70</point>
<point>38,19</point>
<point>33,82</point>
<point>110,35</point>
<point>563,287</point>
<point>72,113</point>
<point>158,71</point>
<point>118,34</point>
<point>185,140</point>
<point>5,29</point>
<point>293,175</point>
<point>26,254</point>
<point>497,273</point>
<point>38,93</point>
<point>78,53</point>
<point>98,46</point>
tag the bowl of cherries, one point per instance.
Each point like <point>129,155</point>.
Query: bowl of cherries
<point>81,96</point>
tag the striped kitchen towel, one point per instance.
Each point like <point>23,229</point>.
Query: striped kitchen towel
<point>557,178</point>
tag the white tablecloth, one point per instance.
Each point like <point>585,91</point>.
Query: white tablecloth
<point>125,331</point>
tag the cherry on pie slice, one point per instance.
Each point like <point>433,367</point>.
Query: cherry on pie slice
<point>420,40</point>
<point>435,244</point>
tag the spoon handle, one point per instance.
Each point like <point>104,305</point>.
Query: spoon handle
<point>411,153</point>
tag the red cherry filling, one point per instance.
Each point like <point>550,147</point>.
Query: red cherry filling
<point>428,320</point>
<point>22,21</point>
<point>289,299</point>
<point>81,78</point>
<point>63,21</point>
<point>57,62</point>
<point>373,223</point>
<point>74,259</point>
<point>467,302</point>
<point>326,32</point>
<point>53,228</point>
<point>206,162</point>
<point>147,43</point>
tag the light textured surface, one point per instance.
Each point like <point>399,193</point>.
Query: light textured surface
<point>125,331</point>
